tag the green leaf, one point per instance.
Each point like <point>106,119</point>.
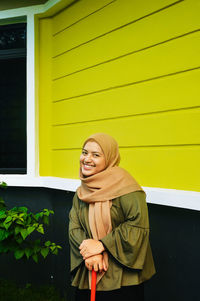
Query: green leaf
<point>52,248</point>
<point>45,220</point>
<point>29,220</point>
<point>38,215</point>
<point>3,185</point>
<point>55,251</point>
<point>20,222</point>
<point>19,253</point>
<point>46,212</point>
<point>36,247</point>
<point>19,239</point>
<point>17,230</point>
<point>14,217</point>
<point>8,219</point>
<point>2,203</point>
<point>22,209</point>
<point>28,252</point>
<point>44,252</point>
<point>35,257</point>
<point>15,209</point>
<point>47,243</point>
<point>3,234</point>
<point>24,233</point>
<point>30,229</point>
<point>40,229</point>
<point>2,214</point>
<point>7,225</point>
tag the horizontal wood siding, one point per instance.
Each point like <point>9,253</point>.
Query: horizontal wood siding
<point>129,68</point>
<point>159,27</point>
<point>165,128</point>
<point>169,167</point>
<point>164,94</point>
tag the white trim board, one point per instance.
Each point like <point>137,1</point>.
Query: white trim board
<point>159,196</point>
<point>174,198</point>
<point>45,8</point>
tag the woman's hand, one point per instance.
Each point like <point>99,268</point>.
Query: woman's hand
<point>97,263</point>
<point>91,247</point>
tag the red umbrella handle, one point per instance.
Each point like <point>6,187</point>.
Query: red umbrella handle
<point>93,285</point>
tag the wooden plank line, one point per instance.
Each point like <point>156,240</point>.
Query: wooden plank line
<point>136,146</point>
<point>128,84</point>
<point>66,148</point>
<point>129,53</point>
<point>162,145</point>
<point>99,9</point>
<point>119,27</point>
<point>126,116</point>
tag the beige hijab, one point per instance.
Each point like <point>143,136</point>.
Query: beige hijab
<point>100,189</point>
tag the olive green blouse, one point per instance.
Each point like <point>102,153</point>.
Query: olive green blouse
<point>130,257</point>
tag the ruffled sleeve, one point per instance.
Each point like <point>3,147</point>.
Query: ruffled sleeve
<point>128,242</point>
<point>76,235</point>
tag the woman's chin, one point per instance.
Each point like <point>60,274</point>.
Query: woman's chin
<point>87,173</point>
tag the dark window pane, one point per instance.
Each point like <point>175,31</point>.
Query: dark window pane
<point>12,36</point>
<point>12,113</point>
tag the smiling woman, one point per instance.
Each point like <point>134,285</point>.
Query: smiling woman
<point>109,227</point>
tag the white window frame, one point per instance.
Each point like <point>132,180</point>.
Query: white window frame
<point>160,196</point>
<point>27,14</point>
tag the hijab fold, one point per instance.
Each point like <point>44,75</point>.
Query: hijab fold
<point>100,189</point>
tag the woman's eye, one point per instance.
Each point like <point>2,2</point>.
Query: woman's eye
<point>96,155</point>
<point>84,152</point>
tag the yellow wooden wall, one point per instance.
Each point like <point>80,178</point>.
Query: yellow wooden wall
<point>129,68</point>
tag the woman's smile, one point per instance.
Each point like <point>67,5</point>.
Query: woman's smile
<point>86,166</point>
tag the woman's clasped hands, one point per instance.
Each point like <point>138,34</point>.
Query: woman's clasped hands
<point>91,250</point>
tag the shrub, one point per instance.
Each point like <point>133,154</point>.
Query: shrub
<point>16,227</point>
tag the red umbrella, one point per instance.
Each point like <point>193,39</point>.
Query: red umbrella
<point>93,286</point>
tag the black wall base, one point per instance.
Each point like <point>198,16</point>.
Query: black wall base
<point>175,241</point>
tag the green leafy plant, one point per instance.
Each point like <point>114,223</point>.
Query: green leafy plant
<point>16,227</point>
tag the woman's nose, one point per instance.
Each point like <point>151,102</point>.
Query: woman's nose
<point>88,158</point>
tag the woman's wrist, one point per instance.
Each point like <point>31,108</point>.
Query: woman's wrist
<point>103,247</point>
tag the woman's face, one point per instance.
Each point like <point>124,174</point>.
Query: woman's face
<point>92,159</point>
